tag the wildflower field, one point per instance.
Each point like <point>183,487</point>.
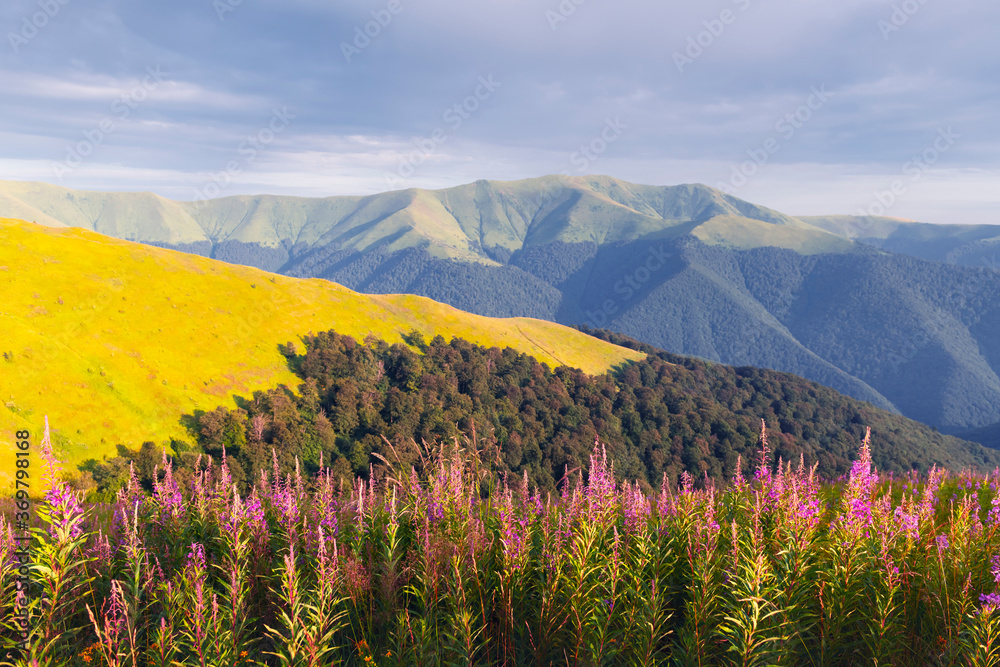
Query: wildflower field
<point>451,564</point>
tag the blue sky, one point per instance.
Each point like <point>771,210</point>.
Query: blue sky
<point>807,106</point>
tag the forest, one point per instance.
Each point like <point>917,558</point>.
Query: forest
<point>365,405</point>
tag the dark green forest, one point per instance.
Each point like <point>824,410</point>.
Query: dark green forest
<point>904,333</point>
<point>362,404</point>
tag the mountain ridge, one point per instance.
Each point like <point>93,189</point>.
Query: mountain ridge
<point>457,223</point>
<point>577,251</point>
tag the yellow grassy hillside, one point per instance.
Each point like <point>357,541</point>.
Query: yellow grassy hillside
<point>115,341</point>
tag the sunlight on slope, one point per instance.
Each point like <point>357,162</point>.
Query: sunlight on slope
<point>735,232</point>
<point>115,341</point>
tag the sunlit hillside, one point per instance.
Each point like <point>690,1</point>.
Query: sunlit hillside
<point>115,341</point>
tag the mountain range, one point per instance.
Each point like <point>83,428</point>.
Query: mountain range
<point>120,343</point>
<point>901,314</point>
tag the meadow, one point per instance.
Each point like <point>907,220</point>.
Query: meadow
<point>448,562</point>
<point>151,334</point>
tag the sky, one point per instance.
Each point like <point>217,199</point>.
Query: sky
<point>807,106</point>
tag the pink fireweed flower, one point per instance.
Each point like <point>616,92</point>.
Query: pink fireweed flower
<point>64,505</point>
<point>968,510</point>
<point>194,571</point>
<point>325,503</point>
<point>327,561</point>
<point>635,507</point>
<point>908,521</point>
<point>601,483</point>
<point>799,499</point>
<point>858,497</point>
<point>110,626</point>
<point>167,493</point>
<point>990,602</point>
<point>52,470</point>
<point>942,543</point>
<point>513,531</point>
<point>535,502</point>
<point>196,558</point>
<point>739,483</point>
<point>225,481</point>
<point>65,509</point>
<point>763,474</point>
<point>707,528</point>
<point>993,517</point>
<point>928,499</point>
<point>286,504</point>
<point>556,534</point>
<point>244,514</point>
<point>300,487</point>
<point>687,483</point>
<point>575,502</point>
<point>776,490</point>
<point>665,501</point>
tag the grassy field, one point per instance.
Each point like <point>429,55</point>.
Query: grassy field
<point>115,341</point>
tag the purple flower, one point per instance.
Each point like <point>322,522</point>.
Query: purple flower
<point>860,490</point>
<point>513,531</point>
<point>101,550</point>
<point>942,543</point>
<point>196,557</point>
<point>247,513</point>
<point>994,514</point>
<point>167,493</point>
<point>66,510</point>
<point>635,507</point>
<point>990,601</point>
<point>601,484</point>
<point>908,522</point>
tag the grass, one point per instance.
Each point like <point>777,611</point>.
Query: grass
<point>451,223</point>
<point>449,564</point>
<point>121,339</point>
<point>737,232</point>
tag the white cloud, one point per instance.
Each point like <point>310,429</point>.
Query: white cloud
<point>354,121</point>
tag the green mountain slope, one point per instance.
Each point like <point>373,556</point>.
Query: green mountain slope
<point>359,405</point>
<point>871,307</point>
<point>968,245</point>
<point>115,341</point>
<point>463,222</point>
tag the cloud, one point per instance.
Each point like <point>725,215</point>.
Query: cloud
<point>561,81</point>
